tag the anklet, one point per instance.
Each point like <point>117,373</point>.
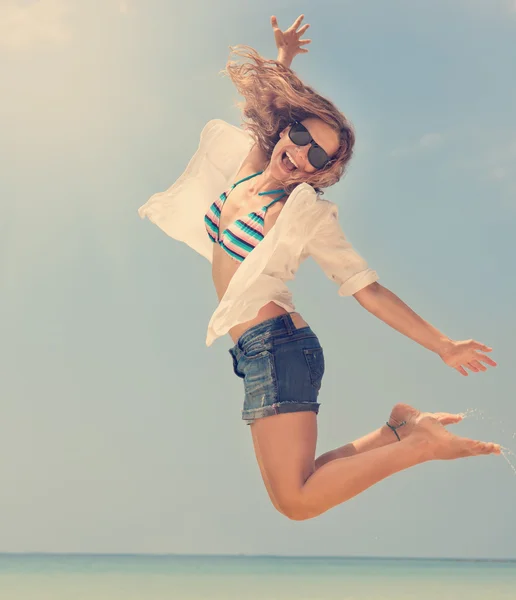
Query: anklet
<point>394,428</point>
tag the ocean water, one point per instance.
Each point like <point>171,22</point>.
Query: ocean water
<point>170,577</point>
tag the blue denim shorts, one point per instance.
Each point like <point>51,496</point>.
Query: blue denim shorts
<point>282,368</point>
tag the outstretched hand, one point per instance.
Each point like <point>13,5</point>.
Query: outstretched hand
<point>288,42</point>
<point>466,355</point>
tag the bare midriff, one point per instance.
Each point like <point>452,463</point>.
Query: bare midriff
<point>238,204</point>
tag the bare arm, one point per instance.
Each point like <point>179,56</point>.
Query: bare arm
<point>288,42</point>
<point>289,45</point>
<point>385,305</point>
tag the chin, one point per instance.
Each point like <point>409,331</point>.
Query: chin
<point>280,175</point>
<point>283,175</point>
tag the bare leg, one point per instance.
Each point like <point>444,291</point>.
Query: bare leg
<point>384,435</point>
<point>285,448</point>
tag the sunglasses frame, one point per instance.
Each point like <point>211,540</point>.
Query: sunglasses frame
<point>312,143</point>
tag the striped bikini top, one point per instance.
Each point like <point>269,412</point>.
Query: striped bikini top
<point>244,234</point>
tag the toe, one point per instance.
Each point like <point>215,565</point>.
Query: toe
<point>449,418</point>
<point>490,448</point>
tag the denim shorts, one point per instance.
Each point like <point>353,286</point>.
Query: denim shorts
<point>282,368</point>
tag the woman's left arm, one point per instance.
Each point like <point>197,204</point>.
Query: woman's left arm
<point>460,355</point>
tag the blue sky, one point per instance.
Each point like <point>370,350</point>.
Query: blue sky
<point>120,429</point>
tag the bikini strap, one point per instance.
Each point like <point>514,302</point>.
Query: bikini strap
<point>262,193</point>
<point>269,205</point>
<point>246,178</point>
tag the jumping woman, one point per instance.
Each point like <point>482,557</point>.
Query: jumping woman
<point>268,219</point>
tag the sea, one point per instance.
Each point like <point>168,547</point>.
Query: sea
<point>170,577</point>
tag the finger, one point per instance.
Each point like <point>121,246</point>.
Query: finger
<point>305,41</point>
<point>303,29</point>
<point>478,365</point>
<point>302,51</point>
<point>462,371</point>
<point>486,359</point>
<point>296,23</point>
<point>274,23</point>
<point>448,418</point>
<point>471,367</point>
<point>480,346</point>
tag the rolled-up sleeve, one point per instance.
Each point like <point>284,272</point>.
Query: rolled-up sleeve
<point>334,254</point>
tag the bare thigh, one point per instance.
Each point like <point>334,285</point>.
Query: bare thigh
<point>285,447</point>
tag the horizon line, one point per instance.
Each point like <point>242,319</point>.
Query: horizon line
<point>243,554</point>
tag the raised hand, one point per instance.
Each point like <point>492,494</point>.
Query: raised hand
<point>288,42</point>
<point>466,355</point>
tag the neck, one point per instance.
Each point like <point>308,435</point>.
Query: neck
<point>264,183</point>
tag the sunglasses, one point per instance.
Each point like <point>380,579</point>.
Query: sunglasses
<point>300,135</point>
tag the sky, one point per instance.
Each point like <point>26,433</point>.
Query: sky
<point>121,431</point>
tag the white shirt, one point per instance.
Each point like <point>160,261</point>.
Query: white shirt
<point>306,226</point>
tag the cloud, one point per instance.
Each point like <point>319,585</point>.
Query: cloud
<point>23,25</point>
<point>498,173</point>
<point>501,160</point>
<point>28,23</point>
<point>494,163</point>
<point>126,7</point>
<point>429,141</point>
<point>501,169</point>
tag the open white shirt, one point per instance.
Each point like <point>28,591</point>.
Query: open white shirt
<point>306,226</point>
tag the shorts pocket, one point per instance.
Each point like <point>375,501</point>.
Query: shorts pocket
<point>315,361</point>
<point>235,364</point>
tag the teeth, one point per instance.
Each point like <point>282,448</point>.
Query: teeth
<point>292,160</point>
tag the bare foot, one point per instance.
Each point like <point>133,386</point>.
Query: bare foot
<point>403,413</point>
<point>439,444</point>
<point>428,430</point>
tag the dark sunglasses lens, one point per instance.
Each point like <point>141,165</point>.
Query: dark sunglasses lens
<point>299,135</point>
<point>317,157</point>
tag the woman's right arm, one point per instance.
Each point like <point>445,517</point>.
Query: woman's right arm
<point>289,45</point>
<point>288,42</point>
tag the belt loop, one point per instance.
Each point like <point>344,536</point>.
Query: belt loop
<point>289,324</point>
<point>239,344</point>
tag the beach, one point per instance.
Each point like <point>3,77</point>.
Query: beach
<point>156,577</point>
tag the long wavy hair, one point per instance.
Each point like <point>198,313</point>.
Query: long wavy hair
<point>274,97</point>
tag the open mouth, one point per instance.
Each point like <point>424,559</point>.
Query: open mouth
<point>287,163</point>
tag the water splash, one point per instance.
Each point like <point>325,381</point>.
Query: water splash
<point>480,414</point>
<point>505,452</point>
<point>472,412</point>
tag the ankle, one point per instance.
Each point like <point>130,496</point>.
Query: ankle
<point>387,435</point>
<point>394,430</point>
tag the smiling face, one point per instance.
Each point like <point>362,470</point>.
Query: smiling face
<point>324,135</point>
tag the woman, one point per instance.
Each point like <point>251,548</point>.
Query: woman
<point>267,221</point>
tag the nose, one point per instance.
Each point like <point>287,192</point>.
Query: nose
<point>301,157</point>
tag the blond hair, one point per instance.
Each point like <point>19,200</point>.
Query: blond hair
<point>274,98</point>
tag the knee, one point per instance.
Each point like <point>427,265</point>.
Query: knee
<point>299,516</point>
<point>295,511</point>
